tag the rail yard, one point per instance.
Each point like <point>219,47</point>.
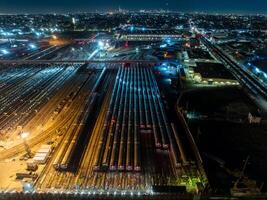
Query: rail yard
<point>106,124</point>
<point>132,104</point>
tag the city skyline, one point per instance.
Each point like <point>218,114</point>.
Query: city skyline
<point>59,6</point>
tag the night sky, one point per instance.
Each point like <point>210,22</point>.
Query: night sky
<point>222,6</point>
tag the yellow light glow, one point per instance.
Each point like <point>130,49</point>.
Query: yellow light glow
<point>54,37</point>
<point>24,135</point>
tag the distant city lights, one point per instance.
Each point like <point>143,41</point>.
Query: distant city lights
<point>32,46</point>
<point>100,44</point>
<point>4,51</point>
<point>54,37</point>
<point>132,28</point>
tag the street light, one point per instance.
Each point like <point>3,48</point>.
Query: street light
<point>4,51</point>
<point>32,46</point>
<point>24,136</point>
<point>101,44</point>
<point>54,37</point>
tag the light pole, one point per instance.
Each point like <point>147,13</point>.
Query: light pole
<point>24,136</point>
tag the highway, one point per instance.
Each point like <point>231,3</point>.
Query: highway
<point>244,77</point>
